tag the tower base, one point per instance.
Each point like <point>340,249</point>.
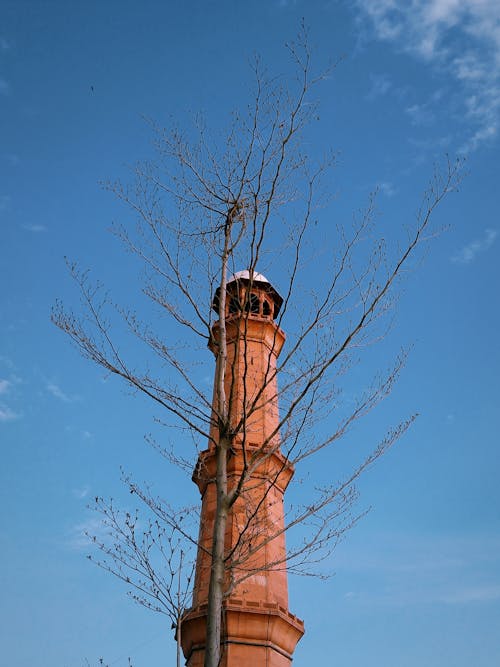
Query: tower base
<point>254,634</point>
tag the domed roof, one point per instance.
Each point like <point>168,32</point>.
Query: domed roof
<point>255,278</point>
<point>245,275</point>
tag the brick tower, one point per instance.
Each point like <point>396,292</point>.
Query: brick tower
<point>257,627</point>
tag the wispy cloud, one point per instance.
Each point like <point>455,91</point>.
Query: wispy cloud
<point>424,114</point>
<point>469,253</point>
<point>36,229</point>
<point>81,534</point>
<point>439,593</point>
<point>81,493</point>
<point>460,36</point>
<point>380,86</point>
<point>4,87</point>
<point>7,414</point>
<point>4,44</point>
<point>413,570</point>
<point>420,114</point>
<point>4,202</point>
<point>466,594</point>
<point>57,392</point>
<point>8,363</point>
<point>387,188</point>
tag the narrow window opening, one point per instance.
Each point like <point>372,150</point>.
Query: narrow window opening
<point>253,304</point>
<point>234,305</point>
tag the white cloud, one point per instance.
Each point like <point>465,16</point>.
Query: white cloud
<point>7,414</point>
<point>424,114</point>
<point>387,188</point>
<point>380,85</point>
<point>468,67</point>
<point>468,253</point>
<point>57,392</point>
<point>7,362</point>
<point>81,535</point>
<point>81,493</point>
<point>420,114</point>
<point>460,36</point>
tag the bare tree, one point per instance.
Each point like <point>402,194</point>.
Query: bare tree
<point>149,557</point>
<point>205,209</point>
<point>102,663</point>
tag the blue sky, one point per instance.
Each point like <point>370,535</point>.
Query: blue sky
<point>417,582</point>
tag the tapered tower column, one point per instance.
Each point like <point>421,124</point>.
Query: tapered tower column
<point>257,627</point>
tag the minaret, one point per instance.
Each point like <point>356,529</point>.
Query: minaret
<point>257,627</point>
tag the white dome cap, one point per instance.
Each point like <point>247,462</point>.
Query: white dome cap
<point>245,275</point>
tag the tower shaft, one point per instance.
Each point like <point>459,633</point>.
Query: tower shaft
<point>257,627</point>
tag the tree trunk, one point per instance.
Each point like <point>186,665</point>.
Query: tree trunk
<point>216,587</point>
<point>179,640</point>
